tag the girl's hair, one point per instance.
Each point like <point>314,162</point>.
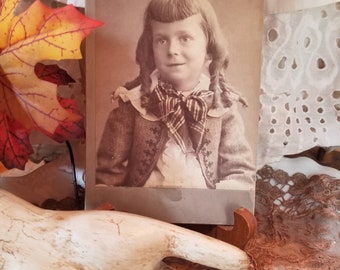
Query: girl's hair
<point>173,10</point>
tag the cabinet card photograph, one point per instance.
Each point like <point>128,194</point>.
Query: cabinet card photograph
<point>172,107</point>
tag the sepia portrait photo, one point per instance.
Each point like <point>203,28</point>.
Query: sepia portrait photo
<point>172,107</point>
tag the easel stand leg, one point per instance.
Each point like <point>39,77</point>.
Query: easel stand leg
<point>244,228</point>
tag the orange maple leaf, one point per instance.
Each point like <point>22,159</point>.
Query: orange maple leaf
<point>27,102</point>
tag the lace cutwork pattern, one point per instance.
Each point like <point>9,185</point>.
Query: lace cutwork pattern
<point>298,221</point>
<point>300,100</point>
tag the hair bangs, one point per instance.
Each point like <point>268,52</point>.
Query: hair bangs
<point>172,10</point>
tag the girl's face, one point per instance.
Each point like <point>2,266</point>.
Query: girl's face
<point>180,51</point>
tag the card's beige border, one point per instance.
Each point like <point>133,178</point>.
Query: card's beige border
<point>175,205</point>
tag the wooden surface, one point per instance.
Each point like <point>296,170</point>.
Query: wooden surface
<point>173,263</point>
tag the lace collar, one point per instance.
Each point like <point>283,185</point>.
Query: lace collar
<point>134,96</point>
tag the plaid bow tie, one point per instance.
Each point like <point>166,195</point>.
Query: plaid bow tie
<point>184,116</point>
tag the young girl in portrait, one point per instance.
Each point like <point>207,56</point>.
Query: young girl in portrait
<point>177,124</point>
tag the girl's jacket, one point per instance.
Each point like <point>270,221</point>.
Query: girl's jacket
<point>133,141</point>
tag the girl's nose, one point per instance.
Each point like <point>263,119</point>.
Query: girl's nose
<point>173,48</point>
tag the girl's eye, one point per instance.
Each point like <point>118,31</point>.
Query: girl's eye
<point>186,39</point>
<point>160,41</point>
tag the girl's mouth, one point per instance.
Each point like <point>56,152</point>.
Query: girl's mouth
<point>175,64</point>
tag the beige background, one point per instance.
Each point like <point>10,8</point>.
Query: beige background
<point>111,62</point>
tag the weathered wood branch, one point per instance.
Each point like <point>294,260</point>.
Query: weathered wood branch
<point>33,238</point>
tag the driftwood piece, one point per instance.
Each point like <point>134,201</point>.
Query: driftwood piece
<point>33,238</point>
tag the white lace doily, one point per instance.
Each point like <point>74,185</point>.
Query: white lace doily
<point>279,6</point>
<point>300,100</point>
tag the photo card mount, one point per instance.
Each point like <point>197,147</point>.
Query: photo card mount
<point>110,63</point>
